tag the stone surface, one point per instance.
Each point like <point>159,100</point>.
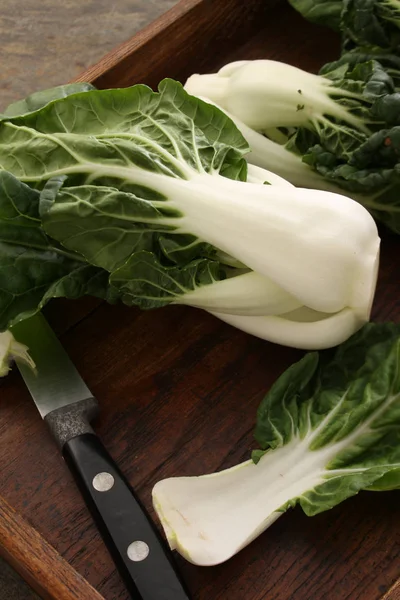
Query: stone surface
<point>46,43</point>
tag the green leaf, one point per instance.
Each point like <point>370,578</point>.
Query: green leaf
<point>387,109</point>
<point>103,224</point>
<point>33,268</point>
<point>104,133</point>
<point>343,414</point>
<point>103,160</point>
<point>145,282</point>
<point>369,171</point>
<point>373,23</point>
<point>323,12</point>
<point>329,428</point>
<point>342,141</point>
<point>277,415</point>
<point>183,248</point>
<point>39,99</point>
<point>368,78</point>
<point>389,62</point>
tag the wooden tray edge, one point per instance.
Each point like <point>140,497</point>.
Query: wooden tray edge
<point>37,562</point>
<point>139,40</point>
<point>393,592</point>
<point>186,29</point>
<point>22,546</point>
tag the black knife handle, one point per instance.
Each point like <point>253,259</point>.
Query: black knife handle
<point>141,556</point>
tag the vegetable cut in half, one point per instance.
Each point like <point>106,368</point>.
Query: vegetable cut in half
<point>328,428</point>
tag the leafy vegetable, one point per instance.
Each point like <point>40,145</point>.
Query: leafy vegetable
<point>150,189</point>
<point>318,151</point>
<point>265,94</point>
<point>328,428</point>
<point>39,99</point>
<point>34,268</point>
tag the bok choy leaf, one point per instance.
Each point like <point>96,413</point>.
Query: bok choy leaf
<point>328,428</point>
<point>34,268</point>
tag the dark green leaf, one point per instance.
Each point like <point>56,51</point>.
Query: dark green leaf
<point>389,62</point>
<point>340,418</point>
<point>145,282</point>
<point>323,12</point>
<point>373,23</point>
<point>277,415</point>
<point>33,268</point>
<point>387,109</point>
<point>369,78</point>
<point>103,224</point>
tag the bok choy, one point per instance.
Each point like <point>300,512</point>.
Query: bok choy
<point>146,198</point>
<point>336,131</point>
<point>328,428</point>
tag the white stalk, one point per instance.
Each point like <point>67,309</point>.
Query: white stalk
<point>260,175</point>
<point>321,247</point>
<point>303,328</point>
<point>266,94</point>
<point>267,154</point>
<point>210,518</point>
<point>277,160</point>
<point>247,294</point>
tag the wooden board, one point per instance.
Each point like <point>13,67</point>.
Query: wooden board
<point>179,389</point>
<point>38,563</point>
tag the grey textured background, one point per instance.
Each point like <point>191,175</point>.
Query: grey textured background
<point>46,43</point>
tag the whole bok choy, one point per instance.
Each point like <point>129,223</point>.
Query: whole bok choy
<point>148,196</point>
<point>328,428</point>
<point>336,131</point>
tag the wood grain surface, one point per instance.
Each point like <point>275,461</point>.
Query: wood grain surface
<point>179,389</point>
<point>37,562</point>
<point>181,41</point>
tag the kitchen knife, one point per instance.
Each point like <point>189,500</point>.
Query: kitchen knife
<point>68,407</point>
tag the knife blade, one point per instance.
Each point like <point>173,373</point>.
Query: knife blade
<point>66,404</point>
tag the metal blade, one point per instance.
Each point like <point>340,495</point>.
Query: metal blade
<point>56,382</point>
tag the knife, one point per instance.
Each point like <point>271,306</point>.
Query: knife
<point>67,406</point>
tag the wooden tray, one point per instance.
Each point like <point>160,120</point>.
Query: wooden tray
<point>179,389</point>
